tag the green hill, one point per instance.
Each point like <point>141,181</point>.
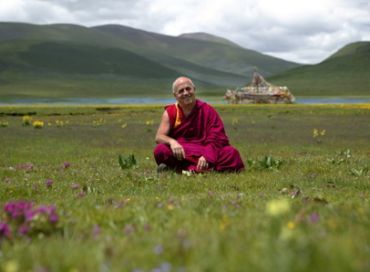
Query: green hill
<point>63,60</point>
<point>347,72</point>
<point>202,52</point>
<point>207,37</point>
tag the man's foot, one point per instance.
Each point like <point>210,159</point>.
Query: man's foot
<point>162,168</point>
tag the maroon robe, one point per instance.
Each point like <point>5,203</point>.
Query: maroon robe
<point>201,133</point>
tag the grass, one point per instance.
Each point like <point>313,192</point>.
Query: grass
<point>309,213</point>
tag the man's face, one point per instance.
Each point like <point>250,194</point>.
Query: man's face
<point>185,93</point>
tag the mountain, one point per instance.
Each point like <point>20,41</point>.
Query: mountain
<point>209,54</point>
<point>207,37</point>
<point>113,60</point>
<point>346,72</point>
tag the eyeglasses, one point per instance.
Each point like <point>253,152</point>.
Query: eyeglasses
<point>182,90</point>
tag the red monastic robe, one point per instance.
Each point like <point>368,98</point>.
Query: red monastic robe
<point>201,133</point>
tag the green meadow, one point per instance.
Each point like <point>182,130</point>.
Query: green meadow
<point>302,204</point>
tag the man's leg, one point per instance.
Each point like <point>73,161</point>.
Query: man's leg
<point>229,160</point>
<point>163,154</point>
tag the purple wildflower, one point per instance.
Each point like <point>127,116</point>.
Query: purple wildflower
<point>24,229</point>
<point>5,231</point>
<point>25,166</point>
<point>95,231</point>
<point>129,229</point>
<point>49,183</point>
<point>17,209</point>
<point>48,211</point>
<point>75,186</point>
<point>158,249</point>
<point>314,217</point>
<point>66,165</point>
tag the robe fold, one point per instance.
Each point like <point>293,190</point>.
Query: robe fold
<point>201,133</point>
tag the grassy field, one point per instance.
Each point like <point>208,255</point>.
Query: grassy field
<point>301,205</point>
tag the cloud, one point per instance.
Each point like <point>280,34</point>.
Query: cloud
<point>301,31</point>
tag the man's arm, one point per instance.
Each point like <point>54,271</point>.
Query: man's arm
<point>162,137</point>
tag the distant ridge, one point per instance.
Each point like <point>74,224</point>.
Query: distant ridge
<point>207,37</point>
<point>346,72</point>
<point>64,60</point>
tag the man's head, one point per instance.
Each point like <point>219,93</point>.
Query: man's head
<point>184,91</point>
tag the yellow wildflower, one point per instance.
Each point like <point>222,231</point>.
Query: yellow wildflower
<point>4,124</point>
<point>26,120</point>
<point>38,124</point>
<point>315,132</point>
<point>291,225</point>
<point>277,207</point>
<point>225,222</point>
<point>10,266</point>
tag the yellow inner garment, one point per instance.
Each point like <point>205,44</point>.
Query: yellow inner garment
<point>178,116</point>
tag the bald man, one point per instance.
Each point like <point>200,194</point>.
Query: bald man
<point>191,135</point>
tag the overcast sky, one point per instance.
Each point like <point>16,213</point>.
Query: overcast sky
<point>303,31</point>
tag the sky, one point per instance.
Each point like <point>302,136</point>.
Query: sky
<point>299,31</point>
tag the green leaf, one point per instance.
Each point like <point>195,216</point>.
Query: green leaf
<point>126,162</point>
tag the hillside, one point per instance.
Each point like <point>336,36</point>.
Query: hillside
<point>63,60</point>
<point>347,72</point>
<point>206,53</point>
<point>207,37</point>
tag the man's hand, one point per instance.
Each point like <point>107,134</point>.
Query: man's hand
<point>177,150</point>
<point>202,164</point>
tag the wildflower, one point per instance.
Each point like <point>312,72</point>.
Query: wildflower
<point>277,207</point>
<point>95,232</point>
<point>43,213</point>
<point>147,227</point>
<point>314,217</point>
<point>10,266</point>
<point>66,165</point>
<point>186,173</point>
<point>59,123</point>
<point>158,249</point>
<point>149,122</point>
<point>129,229</point>
<point>25,166</point>
<point>318,133</point>
<point>4,124</point>
<point>235,122</point>
<point>75,186</point>
<point>124,125</point>
<point>49,183</point>
<point>290,225</point>
<point>28,219</point>
<point>225,222</point>
<point>24,229</point>
<point>5,231</point>
<point>38,124</point>
<point>170,206</point>
<point>26,120</point>
<point>17,210</point>
<point>315,132</point>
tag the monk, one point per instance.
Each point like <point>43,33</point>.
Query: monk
<point>191,135</point>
